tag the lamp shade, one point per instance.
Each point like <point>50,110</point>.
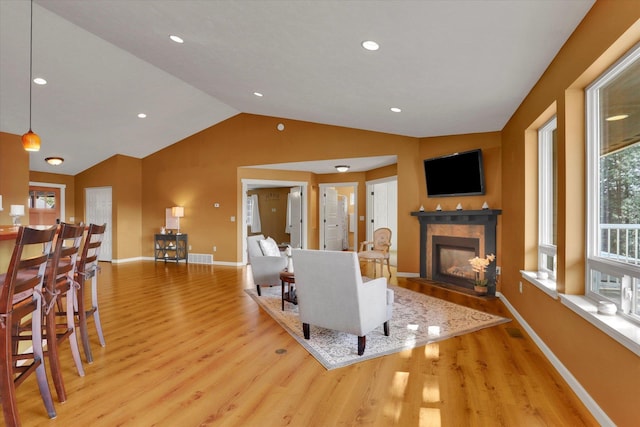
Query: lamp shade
<point>177,211</point>
<point>31,141</point>
<point>17,210</point>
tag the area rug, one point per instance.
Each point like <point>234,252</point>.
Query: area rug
<point>417,320</point>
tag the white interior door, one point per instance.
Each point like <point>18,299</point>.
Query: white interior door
<point>295,217</point>
<point>382,210</point>
<point>332,233</point>
<point>98,205</point>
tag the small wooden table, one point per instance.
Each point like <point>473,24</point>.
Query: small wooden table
<point>288,281</point>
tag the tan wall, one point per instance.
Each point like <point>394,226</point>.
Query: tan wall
<point>273,212</point>
<point>608,371</point>
<point>490,143</point>
<point>123,175</point>
<point>14,187</point>
<point>203,169</point>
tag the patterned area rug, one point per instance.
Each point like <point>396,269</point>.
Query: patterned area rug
<point>417,320</point>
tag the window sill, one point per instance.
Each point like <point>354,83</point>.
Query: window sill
<point>625,332</point>
<point>547,286</point>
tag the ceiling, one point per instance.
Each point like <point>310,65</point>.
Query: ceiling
<point>453,67</point>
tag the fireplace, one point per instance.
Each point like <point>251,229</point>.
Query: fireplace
<point>448,239</point>
<point>450,259</point>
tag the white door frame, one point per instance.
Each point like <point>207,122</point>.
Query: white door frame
<point>321,188</point>
<point>274,183</point>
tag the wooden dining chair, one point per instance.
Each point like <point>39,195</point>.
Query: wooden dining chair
<point>59,290</point>
<point>377,250</point>
<point>87,270</point>
<point>21,298</point>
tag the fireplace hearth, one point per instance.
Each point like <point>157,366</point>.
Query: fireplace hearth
<point>466,234</point>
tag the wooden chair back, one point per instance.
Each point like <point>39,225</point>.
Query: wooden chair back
<point>21,297</point>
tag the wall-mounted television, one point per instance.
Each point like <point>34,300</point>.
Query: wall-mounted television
<point>457,174</point>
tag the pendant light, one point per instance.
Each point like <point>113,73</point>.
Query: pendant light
<point>31,140</point>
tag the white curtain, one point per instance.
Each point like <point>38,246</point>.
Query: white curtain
<point>287,226</point>
<point>256,226</point>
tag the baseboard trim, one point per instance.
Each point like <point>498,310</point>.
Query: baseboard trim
<point>575,385</point>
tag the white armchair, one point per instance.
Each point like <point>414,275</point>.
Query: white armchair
<point>266,269</point>
<point>332,294</point>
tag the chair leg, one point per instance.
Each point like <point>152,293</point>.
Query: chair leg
<point>95,309</point>
<point>82,322</point>
<point>258,289</point>
<point>7,387</point>
<point>38,354</point>
<point>71,325</point>
<point>386,328</point>
<point>52,352</point>
<point>362,342</point>
<point>388,268</point>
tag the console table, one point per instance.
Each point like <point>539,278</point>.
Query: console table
<point>171,247</point>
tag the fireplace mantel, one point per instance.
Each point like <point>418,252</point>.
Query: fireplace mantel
<point>485,217</point>
<point>459,217</point>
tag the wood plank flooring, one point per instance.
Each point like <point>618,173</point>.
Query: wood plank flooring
<point>187,347</point>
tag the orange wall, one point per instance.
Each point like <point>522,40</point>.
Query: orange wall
<point>273,212</point>
<point>608,371</point>
<point>123,175</point>
<point>490,143</point>
<point>14,187</point>
<point>203,169</point>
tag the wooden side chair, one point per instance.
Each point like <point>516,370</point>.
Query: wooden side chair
<point>60,288</point>
<point>87,270</point>
<point>377,250</point>
<point>20,298</point>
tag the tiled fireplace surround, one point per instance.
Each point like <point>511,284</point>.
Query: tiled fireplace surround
<point>463,232</point>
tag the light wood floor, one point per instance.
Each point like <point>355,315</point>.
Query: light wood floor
<point>187,347</point>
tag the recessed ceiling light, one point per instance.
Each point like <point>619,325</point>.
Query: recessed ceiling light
<point>258,94</point>
<point>39,81</point>
<point>176,39</point>
<point>142,115</point>
<point>55,161</point>
<point>618,117</point>
<point>395,109</point>
<point>370,45</point>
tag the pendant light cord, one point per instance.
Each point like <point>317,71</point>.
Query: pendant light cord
<point>30,64</point>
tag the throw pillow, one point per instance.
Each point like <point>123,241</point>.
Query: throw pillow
<point>269,247</point>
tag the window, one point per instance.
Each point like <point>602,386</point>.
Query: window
<point>613,186</point>
<point>42,199</point>
<point>547,198</point>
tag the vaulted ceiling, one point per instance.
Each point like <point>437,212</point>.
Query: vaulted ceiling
<point>452,67</point>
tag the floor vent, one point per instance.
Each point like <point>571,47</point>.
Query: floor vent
<point>201,259</point>
<point>514,332</point>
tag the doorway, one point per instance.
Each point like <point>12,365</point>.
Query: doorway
<point>285,200</point>
<point>338,216</point>
<point>98,205</point>
<point>46,203</point>
<point>382,211</point>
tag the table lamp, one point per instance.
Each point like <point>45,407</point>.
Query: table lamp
<point>16,212</point>
<point>177,212</point>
